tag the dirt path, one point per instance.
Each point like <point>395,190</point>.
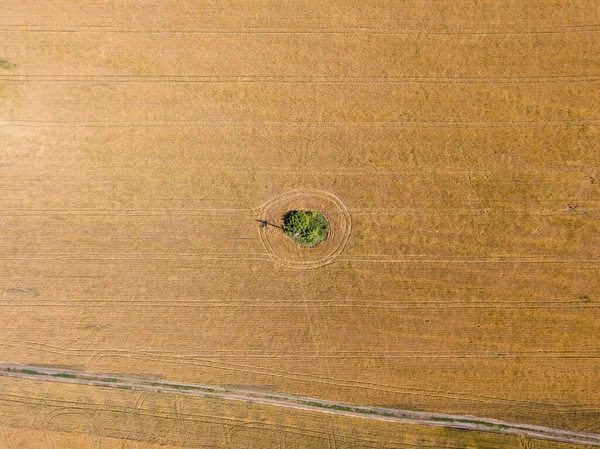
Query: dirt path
<point>303,403</point>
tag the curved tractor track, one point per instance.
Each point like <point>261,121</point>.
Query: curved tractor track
<point>287,253</point>
<point>304,403</point>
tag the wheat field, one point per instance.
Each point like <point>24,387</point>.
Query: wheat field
<point>453,145</point>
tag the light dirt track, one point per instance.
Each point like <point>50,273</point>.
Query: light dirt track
<point>303,403</point>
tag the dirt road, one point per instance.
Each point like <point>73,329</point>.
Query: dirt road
<point>303,403</point>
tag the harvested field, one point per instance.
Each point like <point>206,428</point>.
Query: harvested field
<point>57,413</point>
<point>453,145</point>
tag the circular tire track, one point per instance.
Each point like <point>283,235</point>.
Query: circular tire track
<point>288,253</point>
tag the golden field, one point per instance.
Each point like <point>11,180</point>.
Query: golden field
<point>53,415</point>
<point>139,144</point>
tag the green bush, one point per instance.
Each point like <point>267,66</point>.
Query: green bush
<point>306,227</point>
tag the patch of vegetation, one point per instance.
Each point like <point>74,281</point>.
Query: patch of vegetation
<point>30,371</point>
<point>308,228</point>
<point>335,407</point>
<point>6,64</point>
<point>186,387</point>
<point>466,421</point>
<point>442,419</point>
<point>482,423</point>
<point>313,404</point>
<point>341,408</point>
<point>65,375</point>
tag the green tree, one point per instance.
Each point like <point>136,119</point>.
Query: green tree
<point>306,227</point>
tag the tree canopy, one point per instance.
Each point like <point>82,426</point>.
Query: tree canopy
<point>306,227</point>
